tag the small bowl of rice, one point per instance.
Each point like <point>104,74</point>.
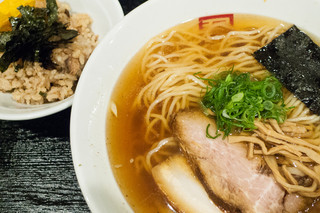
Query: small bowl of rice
<point>33,91</point>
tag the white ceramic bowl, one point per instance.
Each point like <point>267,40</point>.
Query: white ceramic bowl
<point>105,14</point>
<point>88,117</point>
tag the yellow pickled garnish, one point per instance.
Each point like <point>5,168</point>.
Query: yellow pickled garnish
<point>8,8</point>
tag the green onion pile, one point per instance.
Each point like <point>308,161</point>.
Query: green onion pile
<point>236,101</point>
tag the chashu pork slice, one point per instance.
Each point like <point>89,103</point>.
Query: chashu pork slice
<point>225,168</point>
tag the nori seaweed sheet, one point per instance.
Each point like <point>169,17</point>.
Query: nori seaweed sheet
<point>294,59</point>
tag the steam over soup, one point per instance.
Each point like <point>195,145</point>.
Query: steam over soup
<point>168,147</point>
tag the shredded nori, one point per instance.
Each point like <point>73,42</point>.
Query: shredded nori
<point>33,37</point>
<point>295,60</point>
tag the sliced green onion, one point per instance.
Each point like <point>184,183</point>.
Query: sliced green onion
<point>237,97</point>
<point>268,105</point>
<point>268,91</point>
<point>237,101</point>
<point>225,114</point>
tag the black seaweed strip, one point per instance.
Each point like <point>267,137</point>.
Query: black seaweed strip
<point>295,60</point>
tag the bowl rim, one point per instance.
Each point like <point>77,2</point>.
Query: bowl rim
<point>84,118</point>
<point>34,112</point>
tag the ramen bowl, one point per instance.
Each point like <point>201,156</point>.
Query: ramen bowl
<point>92,100</point>
<point>104,14</point>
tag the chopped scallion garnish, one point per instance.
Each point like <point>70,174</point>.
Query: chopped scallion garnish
<point>236,101</point>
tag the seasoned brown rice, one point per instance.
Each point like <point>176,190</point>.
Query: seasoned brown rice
<point>36,85</point>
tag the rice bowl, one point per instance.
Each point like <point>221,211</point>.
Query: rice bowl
<point>35,92</point>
